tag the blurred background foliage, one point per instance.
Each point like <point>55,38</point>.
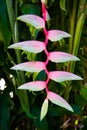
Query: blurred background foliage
<point>19,109</point>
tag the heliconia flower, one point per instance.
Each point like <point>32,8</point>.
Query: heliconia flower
<point>37,66</point>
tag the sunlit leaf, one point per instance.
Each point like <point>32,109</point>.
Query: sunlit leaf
<point>56,99</point>
<point>61,57</point>
<point>33,86</point>
<point>63,4</point>
<point>56,35</point>
<point>30,46</point>
<point>83,92</point>
<point>44,109</point>
<point>60,76</point>
<point>30,66</point>
<point>34,20</point>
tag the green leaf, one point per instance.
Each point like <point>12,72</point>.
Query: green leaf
<point>63,5</point>
<point>5,30</point>
<point>30,9</point>
<point>4,111</point>
<point>44,109</point>
<point>83,92</point>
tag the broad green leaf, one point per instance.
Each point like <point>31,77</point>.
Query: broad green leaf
<point>30,46</point>
<point>83,92</point>
<point>30,66</point>
<point>40,125</point>
<point>56,35</point>
<point>44,109</point>
<point>61,57</point>
<point>63,4</point>
<point>34,20</point>
<point>56,99</point>
<point>5,30</point>
<point>5,104</point>
<point>30,9</point>
<point>60,76</point>
<point>33,86</point>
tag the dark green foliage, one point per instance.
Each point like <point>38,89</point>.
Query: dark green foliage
<point>5,30</point>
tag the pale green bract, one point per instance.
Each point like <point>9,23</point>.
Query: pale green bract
<point>44,109</point>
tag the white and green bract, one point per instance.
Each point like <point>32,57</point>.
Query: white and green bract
<point>30,66</point>
<point>59,57</point>
<point>44,109</point>
<point>29,46</point>
<point>33,86</point>
<point>60,76</point>
<point>32,19</point>
<point>56,35</point>
<point>56,99</point>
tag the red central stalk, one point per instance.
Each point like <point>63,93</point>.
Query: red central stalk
<point>45,42</point>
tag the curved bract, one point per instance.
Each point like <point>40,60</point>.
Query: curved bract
<point>30,46</point>
<point>34,20</point>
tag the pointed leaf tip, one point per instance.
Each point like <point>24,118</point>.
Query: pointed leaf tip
<point>34,20</point>
<point>60,76</point>
<point>30,46</point>
<point>59,57</point>
<point>30,66</point>
<point>58,100</point>
<point>44,109</point>
<point>33,86</point>
<point>56,35</point>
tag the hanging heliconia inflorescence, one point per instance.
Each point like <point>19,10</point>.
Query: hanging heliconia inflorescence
<point>35,46</point>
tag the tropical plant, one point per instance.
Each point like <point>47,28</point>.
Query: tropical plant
<point>24,111</point>
<point>37,66</point>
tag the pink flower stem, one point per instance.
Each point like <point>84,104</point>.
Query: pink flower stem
<point>46,42</point>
